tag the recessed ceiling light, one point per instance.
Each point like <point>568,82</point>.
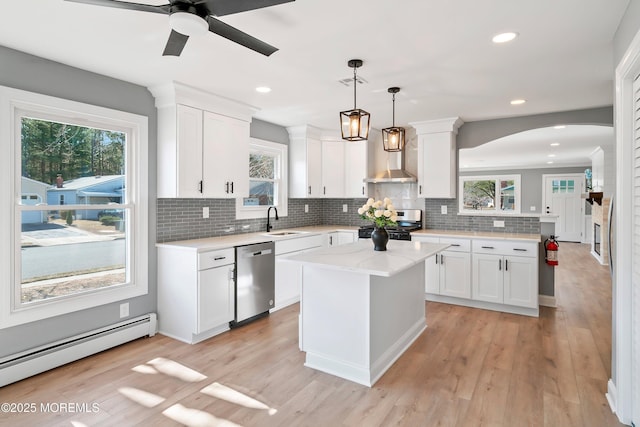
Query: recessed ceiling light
<point>504,37</point>
<point>559,127</point>
<point>551,155</point>
<point>263,89</point>
<point>554,144</point>
<point>518,101</point>
<point>549,163</point>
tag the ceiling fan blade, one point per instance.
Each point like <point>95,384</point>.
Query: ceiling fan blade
<point>164,9</point>
<point>175,44</point>
<point>228,7</point>
<point>228,32</point>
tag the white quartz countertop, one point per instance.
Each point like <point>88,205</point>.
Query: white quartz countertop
<point>361,258</point>
<point>224,242</point>
<point>477,235</point>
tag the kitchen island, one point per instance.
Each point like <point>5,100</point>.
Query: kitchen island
<point>361,309</point>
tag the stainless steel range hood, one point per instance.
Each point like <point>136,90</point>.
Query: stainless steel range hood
<point>394,172</point>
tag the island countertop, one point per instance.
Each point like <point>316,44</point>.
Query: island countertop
<point>360,257</point>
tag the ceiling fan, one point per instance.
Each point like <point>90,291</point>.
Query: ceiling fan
<point>194,17</point>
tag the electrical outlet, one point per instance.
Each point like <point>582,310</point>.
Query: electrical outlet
<point>306,208</point>
<point>345,208</point>
<point>443,209</point>
<point>498,224</point>
<point>205,212</point>
<point>124,310</point>
<point>532,208</point>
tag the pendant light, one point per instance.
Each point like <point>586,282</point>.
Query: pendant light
<point>393,137</point>
<point>355,123</point>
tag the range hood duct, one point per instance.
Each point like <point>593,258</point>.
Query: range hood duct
<point>395,175</point>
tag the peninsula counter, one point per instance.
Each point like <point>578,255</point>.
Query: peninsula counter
<point>361,309</point>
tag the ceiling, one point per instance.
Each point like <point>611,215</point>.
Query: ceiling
<point>438,52</point>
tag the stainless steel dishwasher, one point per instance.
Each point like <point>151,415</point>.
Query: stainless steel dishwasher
<point>255,282</point>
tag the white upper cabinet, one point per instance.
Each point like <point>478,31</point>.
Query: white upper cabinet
<point>203,144</point>
<point>437,158</point>
<point>355,171</point>
<point>323,166</point>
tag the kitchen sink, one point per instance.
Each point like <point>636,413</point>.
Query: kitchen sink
<point>285,233</point>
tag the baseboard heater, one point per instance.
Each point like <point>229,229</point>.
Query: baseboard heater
<point>36,360</point>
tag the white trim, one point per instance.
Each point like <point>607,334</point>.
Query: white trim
<point>621,401</point>
<point>136,127</point>
<point>547,301</point>
<point>582,189</point>
<point>253,212</point>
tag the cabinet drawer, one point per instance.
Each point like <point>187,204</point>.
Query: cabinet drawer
<point>457,245</point>
<point>216,258</point>
<point>505,247</point>
<point>298,244</point>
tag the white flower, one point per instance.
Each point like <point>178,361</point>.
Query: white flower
<point>370,201</point>
<point>378,213</point>
<point>361,210</point>
<point>387,213</point>
<point>377,204</point>
<point>391,207</point>
<point>394,218</point>
<point>386,201</point>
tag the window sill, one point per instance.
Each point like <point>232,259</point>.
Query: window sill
<point>502,214</point>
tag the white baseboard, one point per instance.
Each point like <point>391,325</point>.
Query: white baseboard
<point>547,301</point>
<point>612,395</point>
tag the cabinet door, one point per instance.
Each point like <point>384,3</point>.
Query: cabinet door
<point>288,276</point>
<point>345,237</point>
<point>332,169</point>
<point>332,239</point>
<point>215,297</point>
<point>314,168</point>
<point>432,274</point>
<point>521,281</point>
<point>455,274</point>
<point>225,157</point>
<point>189,151</point>
<point>355,154</point>
<point>437,169</point>
<point>487,282</point>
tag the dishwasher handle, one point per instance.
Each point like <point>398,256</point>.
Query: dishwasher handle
<point>262,252</point>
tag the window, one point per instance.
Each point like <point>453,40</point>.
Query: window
<point>494,195</point>
<point>563,186</point>
<point>267,180</point>
<point>79,230</point>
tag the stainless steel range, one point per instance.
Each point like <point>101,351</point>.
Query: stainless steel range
<point>408,221</point>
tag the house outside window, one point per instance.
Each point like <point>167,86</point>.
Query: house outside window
<point>267,180</point>
<point>491,194</point>
<point>84,244</point>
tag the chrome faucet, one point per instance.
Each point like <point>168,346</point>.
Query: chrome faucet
<point>269,226</point>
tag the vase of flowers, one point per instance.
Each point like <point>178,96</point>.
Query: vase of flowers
<point>382,213</point>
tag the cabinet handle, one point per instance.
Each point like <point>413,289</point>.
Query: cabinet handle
<point>499,265</point>
<point>309,189</point>
<point>441,259</point>
<point>200,185</point>
<point>231,187</point>
<point>419,189</point>
<point>324,190</point>
<point>488,247</point>
<point>218,258</point>
<point>520,250</point>
<point>436,259</point>
<point>455,244</point>
<point>363,190</point>
<point>330,240</point>
<point>506,265</point>
<point>226,190</point>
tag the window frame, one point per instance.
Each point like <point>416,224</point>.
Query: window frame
<point>281,180</point>
<point>496,178</point>
<point>13,104</point>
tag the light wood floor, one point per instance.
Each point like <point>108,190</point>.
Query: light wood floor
<point>470,368</point>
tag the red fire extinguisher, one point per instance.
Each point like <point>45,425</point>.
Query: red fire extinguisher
<point>551,250</point>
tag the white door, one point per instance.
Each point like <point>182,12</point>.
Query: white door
<point>562,194</point>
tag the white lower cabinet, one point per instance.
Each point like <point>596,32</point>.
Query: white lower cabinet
<point>288,275</point>
<point>195,293</point>
<point>501,277</point>
<point>493,274</point>
<point>337,238</point>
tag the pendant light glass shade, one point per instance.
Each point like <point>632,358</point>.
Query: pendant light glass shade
<point>393,138</point>
<point>355,122</point>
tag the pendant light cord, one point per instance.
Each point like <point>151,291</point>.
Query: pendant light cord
<point>393,121</point>
<point>355,82</point>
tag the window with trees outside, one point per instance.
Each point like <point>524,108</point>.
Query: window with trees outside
<point>267,180</point>
<point>79,223</point>
<point>495,195</point>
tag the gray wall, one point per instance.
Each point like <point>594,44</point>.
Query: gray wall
<point>531,183</point>
<point>26,72</point>
<point>472,134</point>
<point>268,132</point>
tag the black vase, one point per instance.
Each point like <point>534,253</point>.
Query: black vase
<point>379,237</point>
